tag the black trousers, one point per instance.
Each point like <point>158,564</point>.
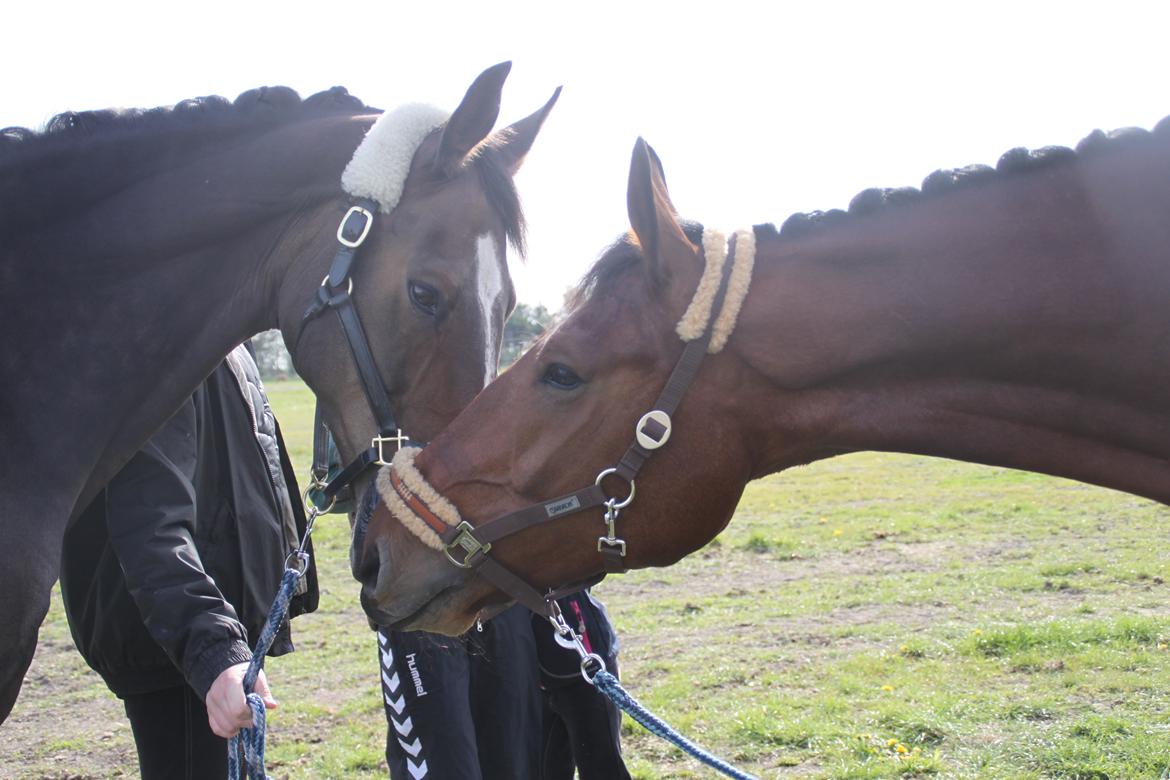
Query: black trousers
<point>464,708</point>
<point>174,739</point>
<point>582,731</point>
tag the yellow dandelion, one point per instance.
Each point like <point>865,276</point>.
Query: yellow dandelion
<point>891,742</point>
<point>837,532</point>
<point>978,631</point>
<point>823,520</point>
<point>903,648</point>
<point>887,688</point>
<point>901,748</point>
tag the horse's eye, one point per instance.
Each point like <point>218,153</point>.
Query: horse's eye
<point>425,298</point>
<point>561,377</point>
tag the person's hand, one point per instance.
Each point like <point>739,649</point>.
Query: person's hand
<point>227,709</point>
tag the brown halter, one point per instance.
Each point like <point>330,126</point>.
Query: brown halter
<point>468,546</point>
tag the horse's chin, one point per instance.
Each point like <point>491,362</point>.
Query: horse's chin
<point>445,612</point>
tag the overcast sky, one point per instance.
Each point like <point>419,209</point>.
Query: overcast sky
<point>757,109</point>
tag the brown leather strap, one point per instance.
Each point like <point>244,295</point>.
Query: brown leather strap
<point>417,505</point>
<point>538,514</point>
<point>684,373</point>
<point>509,583</point>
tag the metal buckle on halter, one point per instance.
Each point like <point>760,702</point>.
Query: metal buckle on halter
<point>359,211</point>
<point>647,440</point>
<point>468,542</point>
<point>398,438</point>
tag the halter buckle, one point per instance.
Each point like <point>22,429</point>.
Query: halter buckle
<point>648,439</point>
<point>465,539</point>
<point>398,438</point>
<point>341,231</point>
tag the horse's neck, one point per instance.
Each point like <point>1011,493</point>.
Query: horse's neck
<point>143,293</point>
<point>1021,323</point>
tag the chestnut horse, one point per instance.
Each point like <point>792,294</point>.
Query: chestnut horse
<point>138,248</point>
<point>1018,317</point>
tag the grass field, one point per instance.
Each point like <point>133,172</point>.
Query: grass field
<point>873,616</point>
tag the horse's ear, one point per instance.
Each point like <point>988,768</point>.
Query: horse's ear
<point>516,139</point>
<point>652,215</point>
<point>474,118</point>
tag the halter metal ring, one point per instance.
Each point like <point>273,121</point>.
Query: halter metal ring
<point>349,281</point>
<point>302,562</point>
<point>311,503</point>
<point>359,211</point>
<point>586,661</point>
<point>625,502</point>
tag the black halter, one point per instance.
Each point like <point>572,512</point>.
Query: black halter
<point>336,292</point>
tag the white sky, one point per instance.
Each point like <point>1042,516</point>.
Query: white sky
<point>757,109</point>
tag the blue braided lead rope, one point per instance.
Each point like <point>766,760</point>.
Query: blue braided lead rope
<point>252,738</point>
<point>608,684</point>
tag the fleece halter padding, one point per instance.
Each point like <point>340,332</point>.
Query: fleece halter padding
<point>696,318</point>
<point>379,166</point>
<point>403,466</point>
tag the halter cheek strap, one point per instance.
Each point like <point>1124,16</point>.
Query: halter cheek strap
<point>705,327</point>
<point>375,179</point>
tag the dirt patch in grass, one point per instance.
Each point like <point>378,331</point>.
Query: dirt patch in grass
<point>63,726</point>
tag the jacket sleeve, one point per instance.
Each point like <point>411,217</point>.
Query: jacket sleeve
<point>151,517</point>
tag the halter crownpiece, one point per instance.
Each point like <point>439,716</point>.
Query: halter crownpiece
<point>697,318</point>
<point>379,166</point>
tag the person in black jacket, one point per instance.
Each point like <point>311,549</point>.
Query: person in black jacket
<point>168,575</point>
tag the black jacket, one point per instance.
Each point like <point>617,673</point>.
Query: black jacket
<point>169,574</point>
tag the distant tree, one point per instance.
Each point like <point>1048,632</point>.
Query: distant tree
<point>522,328</point>
<point>272,358</point>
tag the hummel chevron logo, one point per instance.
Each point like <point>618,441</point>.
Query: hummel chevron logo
<point>391,681</point>
<point>404,727</point>
<point>413,748</point>
<point>396,704</point>
<point>417,771</point>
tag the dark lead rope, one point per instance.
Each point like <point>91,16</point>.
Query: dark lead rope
<point>251,739</point>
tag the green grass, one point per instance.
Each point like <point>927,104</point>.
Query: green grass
<point>874,616</point>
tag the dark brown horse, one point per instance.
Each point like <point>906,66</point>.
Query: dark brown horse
<point>137,249</point>
<point>1017,317</point>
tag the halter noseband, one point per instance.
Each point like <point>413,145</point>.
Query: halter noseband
<point>705,326</point>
